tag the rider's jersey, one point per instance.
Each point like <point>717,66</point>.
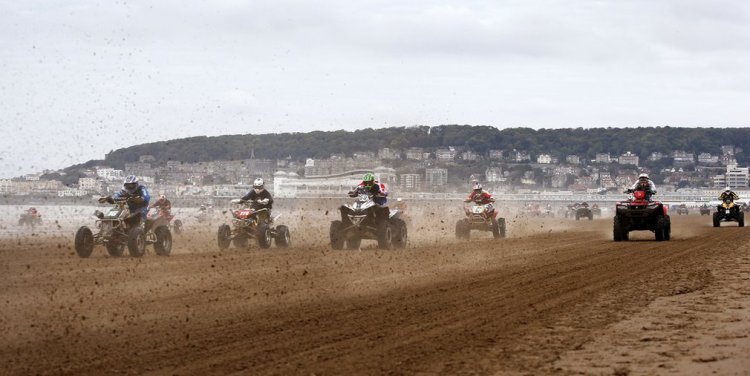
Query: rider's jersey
<point>165,207</point>
<point>648,187</point>
<point>377,191</point>
<point>728,195</point>
<point>264,194</point>
<point>140,191</point>
<point>484,197</point>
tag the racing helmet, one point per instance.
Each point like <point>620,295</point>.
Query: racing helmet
<point>162,197</point>
<point>368,179</point>
<point>643,177</point>
<point>258,184</point>
<point>477,187</point>
<point>728,189</point>
<point>130,183</point>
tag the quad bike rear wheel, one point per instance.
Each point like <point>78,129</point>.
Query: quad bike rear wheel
<point>84,242</point>
<point>717,221</point>
<point>741,219</point>
<point>660,229</point>
<point>136,242</point>
<point>163,245</point>
<point>282,239</point>
<point>385,235</point>
<point>336,234</point>
<point>224,236</point>
<point>264,235</point>
<point>400,234</point>
<point>618,232</point>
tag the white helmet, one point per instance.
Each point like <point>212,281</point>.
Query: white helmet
<point>477,186</point>
<point>728,188</point>
<point>258,183</point>
<point>642,176</point>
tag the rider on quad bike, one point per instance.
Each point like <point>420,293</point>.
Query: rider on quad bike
<point>643,184</point>
<point>371,187</point>
<point>139,199</point>
<point>479,195</point>
<point>728,194</point>
<point>260,198</point>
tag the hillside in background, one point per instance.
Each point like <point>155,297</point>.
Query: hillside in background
<point>559,142</point>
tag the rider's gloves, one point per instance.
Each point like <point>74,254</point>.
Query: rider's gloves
<point>352,194</point>
<point>263,201</point>
<point>242,201</point>
<point>107,199</point>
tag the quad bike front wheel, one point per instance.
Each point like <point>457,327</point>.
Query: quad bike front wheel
<point>264,235</point>
<point>84,242</point>
<point>136,242</point>
<point>224,236</point>
<point>498,228</point>
<point>163,245</point>
<point>282,239</point>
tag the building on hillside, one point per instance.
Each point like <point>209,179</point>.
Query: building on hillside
<point>573,159</point>
<point>469,156</point>
<point>494,174</point>
<point>727,149</point>
<point>410,182</point>
<point>656,156</point>
<point>544,159</point>
<point>707,158</point>
<point>110,174</point>
<point>436,177</point>
<point>415,154</point>
<point>603,158</point>
<point>629,159</point>
<point>496,155</point>
<point>682,158</point>
<point>446,155</point>
<point>388,153</point>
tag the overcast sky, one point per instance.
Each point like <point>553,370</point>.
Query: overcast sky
<point>81,78</point>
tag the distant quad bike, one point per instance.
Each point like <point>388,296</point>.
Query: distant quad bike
<point>638,214</point>
<point>175,225</point>
<point>481,217</point>
<point>682,210</point>
<point>728,211</point>
<point>596,211</point>
<point>363,219</point>
<point>30,218</point>
<point>705,210</point>
<point>115,234</point>
<point>584,211</point>
<point>251,223</point>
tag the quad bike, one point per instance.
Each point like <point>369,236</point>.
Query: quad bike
<point>30,218</point>
<point>638,214</point>
<point>249,222</point>
<point>596,211</point>
<point>728,211</point>
<point>166,219</point>
<point>115,233</point>
<point>583,211</point>
<point>705,210</point>
<point>363,219</point>
<point>480,217</point>
<point>682,210</point>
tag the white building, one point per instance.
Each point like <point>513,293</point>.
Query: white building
<point>410,182</point>
<point>573,159</point>
<point>89,184</point>
<point>446,155</point>
<point>629,159</point>
<point>603,158</point>
<point>544,159</point>
<point>110,174</point>
<point>435,177</point>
